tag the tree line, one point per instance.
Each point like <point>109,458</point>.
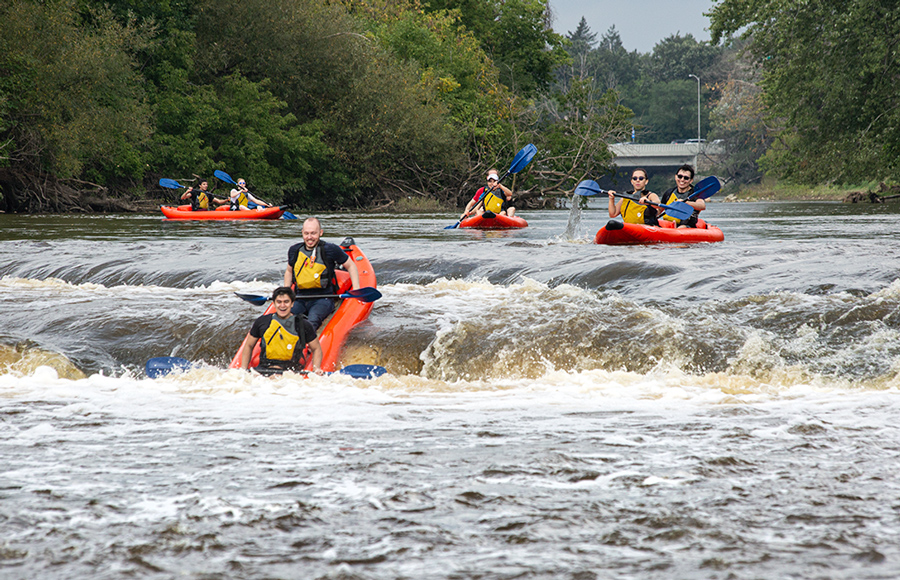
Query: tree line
<point>327,104</point>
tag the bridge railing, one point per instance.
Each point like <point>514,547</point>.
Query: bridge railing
<point>665,149</point>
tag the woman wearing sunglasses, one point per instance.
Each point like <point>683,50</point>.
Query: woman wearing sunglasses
<point>635,212</point>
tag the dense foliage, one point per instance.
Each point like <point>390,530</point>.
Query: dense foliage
<point>830,83</point>
<point>359,103</point>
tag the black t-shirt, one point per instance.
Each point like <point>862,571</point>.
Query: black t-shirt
<point>667,195</point>
<point>332,255</point>
<point>261,324</point>
<point>195,199</point>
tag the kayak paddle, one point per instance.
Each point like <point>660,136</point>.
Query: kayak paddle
<point>678,210</point>
<point>519,162</point>
<point>366,294</point>
<point>227,179</point>
<point>170,183</point>
<point>163,365</point>
<point>706,188</point>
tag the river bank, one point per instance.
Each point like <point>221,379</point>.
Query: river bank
<point>773,190</point>
<point>767,190</point>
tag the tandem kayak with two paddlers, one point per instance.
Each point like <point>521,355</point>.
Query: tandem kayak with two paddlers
<point>184,212</point>
<point>616,233</point>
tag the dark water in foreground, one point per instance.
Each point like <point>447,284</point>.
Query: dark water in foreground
<point>554,409</point>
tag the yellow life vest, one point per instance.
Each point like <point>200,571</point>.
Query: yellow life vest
<point>279,343</point>
<point>632,212</point>
<point>494,203</point>
<point>202,199</point>
<point>310,271</point>
<point>240,200</point>
<point>673,197</point>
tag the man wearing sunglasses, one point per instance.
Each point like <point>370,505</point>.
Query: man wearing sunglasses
<point>684,187</point>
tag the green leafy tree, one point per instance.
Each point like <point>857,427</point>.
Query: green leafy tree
<point>611,65</point>
<point>829,80</point>
<point>581,43</point>
<point>667,111</point>
<point>383,124</point>
<point>676,57</point>
<point>237,125</point>
<point>73,104</point>
<point>739,120</point>
<point>517,35</point>
<point>573,130</point>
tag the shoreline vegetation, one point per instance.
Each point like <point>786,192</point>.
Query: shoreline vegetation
<point>402,105</point>
<point>775,190</point>
<point>766,190</point>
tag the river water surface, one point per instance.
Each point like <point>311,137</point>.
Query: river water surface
<point>553,408</point>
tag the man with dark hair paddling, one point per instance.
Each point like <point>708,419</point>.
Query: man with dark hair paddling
<point>310,271</point>
<point>684,187</point>
<point>284,339</point>
<point>200,198</point>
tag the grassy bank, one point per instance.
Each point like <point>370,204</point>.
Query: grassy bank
<point>774,190</point>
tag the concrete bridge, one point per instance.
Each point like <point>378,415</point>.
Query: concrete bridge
<point>664,154</point>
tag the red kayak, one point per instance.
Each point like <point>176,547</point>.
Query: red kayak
<point>492,221</point>
<point>620,233</point>
<point>333,332</point>
<point>184,212</point>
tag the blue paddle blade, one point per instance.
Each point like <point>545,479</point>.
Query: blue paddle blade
<point>522,158</point>
<point>363,371</point>
<point>366,294</point>
<point>170,183</point>
<point>706,188</point>
<point>253,298</point>
<point>679,210</point>
<point>288,216</point>
<point>588,188</point>
<point>223,176</point>
<point>163,365</point>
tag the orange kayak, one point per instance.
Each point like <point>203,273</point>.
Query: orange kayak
<point>184,212</point>
<point>333,334</point>
<point>493,221</point>
<point>620,233</point>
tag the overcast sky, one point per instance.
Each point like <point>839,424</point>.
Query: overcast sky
<point>641,23</point>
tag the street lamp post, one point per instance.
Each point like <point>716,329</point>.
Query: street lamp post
<point>697,159</point>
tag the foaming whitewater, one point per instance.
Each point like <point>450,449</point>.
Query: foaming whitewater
<point>553,408</point>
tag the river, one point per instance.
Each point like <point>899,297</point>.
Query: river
<point>553,408</point>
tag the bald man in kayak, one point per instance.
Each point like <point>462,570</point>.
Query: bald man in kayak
<point>310,272</point>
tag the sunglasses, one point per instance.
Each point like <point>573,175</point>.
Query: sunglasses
<point>638,178</point>
<point>688,177</point>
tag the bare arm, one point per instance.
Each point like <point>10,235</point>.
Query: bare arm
<point>288,276</point>
<point>254,200</point>
<point>354,272</point>
<point>613,204</point>
<point>469,207</point>
<point>247,351</point>
<point>316,350</point>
